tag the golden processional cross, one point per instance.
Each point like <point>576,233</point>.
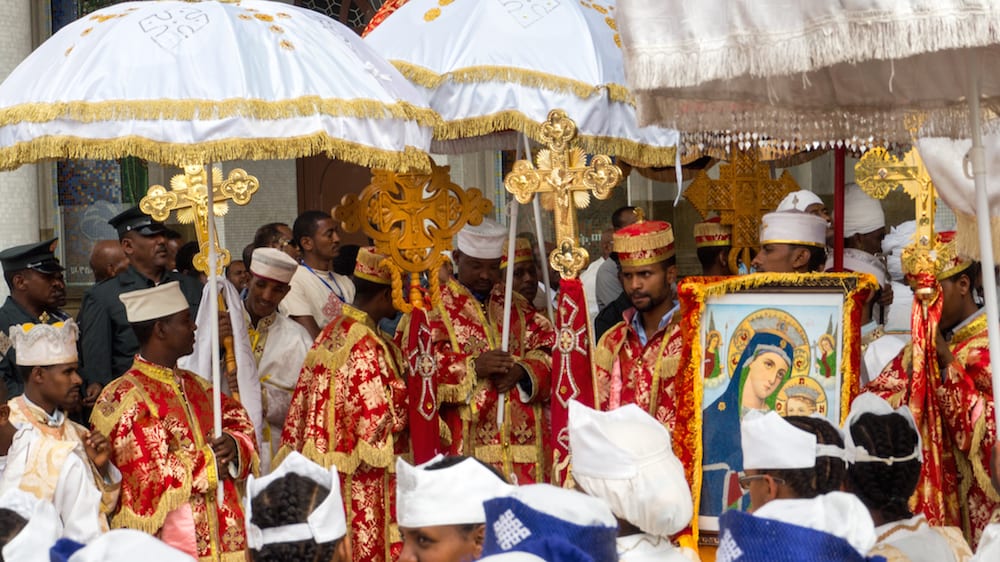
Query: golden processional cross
<point>564,181</point>
<point>743,193</point>
<point>412,219</point>
<point>188,195</point>
<point>879,172</point>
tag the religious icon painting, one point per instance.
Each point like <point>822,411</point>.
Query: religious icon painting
<point>783,342</point>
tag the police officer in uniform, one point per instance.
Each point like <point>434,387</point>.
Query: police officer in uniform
<point>37,292</point>
<point>107,343</point>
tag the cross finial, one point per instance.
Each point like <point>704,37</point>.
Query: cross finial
<point>412,219</point>
<point>188,195</point>
<point>565,182</point>
<point>743,193</point>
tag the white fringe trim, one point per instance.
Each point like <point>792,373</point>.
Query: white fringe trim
<point>967,236</point>
<point>722,124</point>
<point>880,35</point>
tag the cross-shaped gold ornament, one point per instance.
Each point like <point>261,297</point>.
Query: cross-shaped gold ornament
<point>188,195</point>
<point>412,219</point>
<point>564,181</point>
<point>743,193</point>
<point>879,172</point>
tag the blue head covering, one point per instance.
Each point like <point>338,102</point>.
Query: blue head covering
<point>723,457</point>
<point>762,342</point>
<point>514,526</point>
<point>746,538</point>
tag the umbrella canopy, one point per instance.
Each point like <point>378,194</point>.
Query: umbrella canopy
<point>809,72</point>
<point>193,82</point>
<point>490,67</point>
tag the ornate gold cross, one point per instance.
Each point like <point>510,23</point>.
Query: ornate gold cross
<point>188,195</point>
<point>743,193</point>
<point>564,181</point>
<point>879,172</point>
<point>412,219</point>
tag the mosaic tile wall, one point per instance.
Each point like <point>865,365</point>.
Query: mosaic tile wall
<point>89,192</point>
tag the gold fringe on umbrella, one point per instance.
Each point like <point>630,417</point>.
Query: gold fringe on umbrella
<point>530,78</point>
<point>629,150</point>
<point>190,110</point>
<point>60,146</point>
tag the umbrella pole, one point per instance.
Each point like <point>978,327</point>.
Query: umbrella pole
<point>505,334</point>
<point>213,307</point>
<point>536,206</point>
<point>838,208</point>
<point>977,155</point>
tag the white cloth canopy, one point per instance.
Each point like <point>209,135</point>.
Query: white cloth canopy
<point>181,82</point>
<point>809,72</point>
<point>490,66</point>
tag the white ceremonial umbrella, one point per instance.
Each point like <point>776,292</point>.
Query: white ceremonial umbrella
<point>193,82</point>
<point>181,83</point>
<point>490,67</point>
<point>818,72</point>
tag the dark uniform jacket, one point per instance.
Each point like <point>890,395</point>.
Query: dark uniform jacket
<point>12,314</point>
<point>107,343</point>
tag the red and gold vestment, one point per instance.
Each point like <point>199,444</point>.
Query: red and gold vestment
<point>631,373</point>
<point>462,329</point>
<point>159,423</point>
<point>349,410</point>
<point>966,401</point>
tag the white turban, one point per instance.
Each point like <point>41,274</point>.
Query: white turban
<point>862,213</point>
<point>625,457</point>
<point>799,201</point>
<point>861,261</point>
<point>895,240</point>
<point>771,443</point>
<point>43,529</point>
<point>793,227</point>
<point>838,513</point>
<point>447,496</point>
<point>483,241</point>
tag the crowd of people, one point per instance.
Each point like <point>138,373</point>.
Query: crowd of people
<point>108,446</point>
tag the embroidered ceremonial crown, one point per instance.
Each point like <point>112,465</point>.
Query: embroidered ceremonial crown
<point>644,243</point>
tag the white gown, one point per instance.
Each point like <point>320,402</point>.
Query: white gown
<point>59,471</point>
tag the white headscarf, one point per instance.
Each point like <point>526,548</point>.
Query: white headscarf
<point>625,457</point>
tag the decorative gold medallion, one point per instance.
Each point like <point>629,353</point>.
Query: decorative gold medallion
<point>412,218</point>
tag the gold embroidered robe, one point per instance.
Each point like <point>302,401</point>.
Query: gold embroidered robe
<point>462,328</point>
<point>159,422</point>
<point>966,401</point>
<point>349,410</point>
<point>631,373</point>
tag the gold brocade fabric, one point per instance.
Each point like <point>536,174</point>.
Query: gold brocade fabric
<point>46,456</point>
<point>630,373</point>
<point>966,400</point>
<point>461,329</point>
<point>349,409</point>
<point>159,423</point>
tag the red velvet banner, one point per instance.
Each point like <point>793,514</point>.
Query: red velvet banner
<point>572,370</point>
<point>424,422</point>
